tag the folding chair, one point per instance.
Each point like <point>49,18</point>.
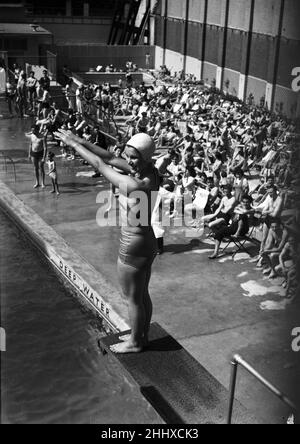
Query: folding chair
<point>241,241</point>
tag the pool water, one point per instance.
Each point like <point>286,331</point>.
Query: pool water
<point>52,371</point>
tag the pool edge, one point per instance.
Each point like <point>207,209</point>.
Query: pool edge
<point>87,282</point>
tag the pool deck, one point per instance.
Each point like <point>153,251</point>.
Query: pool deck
<point>213,309</point>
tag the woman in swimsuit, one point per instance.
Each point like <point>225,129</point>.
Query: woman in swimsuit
<point>138,246</point>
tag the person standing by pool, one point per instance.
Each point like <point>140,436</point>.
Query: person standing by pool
<point>37,153</point>
<point>52,173</point>
<point>138,246</point>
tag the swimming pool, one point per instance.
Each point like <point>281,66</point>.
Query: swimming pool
<point>52,371</point>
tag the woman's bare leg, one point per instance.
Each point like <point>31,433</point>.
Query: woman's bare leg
<point>148,311</point>
<point>133,283</point>
<point>148,307</point>
<point>36,172</point>
<point>41,165</point>
<point>216,222</point>
<point>217,248</point>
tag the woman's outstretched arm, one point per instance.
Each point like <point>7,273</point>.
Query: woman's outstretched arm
<point>100,152</point>
<point>125,183</point>
<point>108,157</point>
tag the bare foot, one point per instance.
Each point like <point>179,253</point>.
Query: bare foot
<point>214,256</point>
<point>43,185</point>
<point>58,193</point>
<point>36,185</point>
<point>126,347</point>
<point>126,338</point>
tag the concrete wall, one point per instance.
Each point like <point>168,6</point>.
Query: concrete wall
<point>291,28</point>
<point>79,33</point>
<point>193,66</point>
<point>174,60</point>
<point>239,13</point>
<point>177,8</point>
<point>196,10</point>
<point>257,87</point>
<point>31,55</point>
<point>209,73</point>
<point>80,58</point>
<point>266,17</point>
<point>248,47</point>
<point>215,14</point>
<point>231,81</point>
<point>286,101</point>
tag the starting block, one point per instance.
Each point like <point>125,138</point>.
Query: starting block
<point>179,388</point>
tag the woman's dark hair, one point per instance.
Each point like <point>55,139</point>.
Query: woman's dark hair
<point>198,163</point>
<point>191,171</point>
<point>239,171</point>
<point>227,188</point>
<point>247,197</point>
<point>169,184</point>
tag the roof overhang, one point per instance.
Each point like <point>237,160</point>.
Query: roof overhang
<point>23,29</point>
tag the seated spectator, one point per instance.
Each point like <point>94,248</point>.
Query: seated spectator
<point>224,213</point>
<point>240,185</point>
<point>238,227</point>
<point>280,250</point>
<point>270,208</point>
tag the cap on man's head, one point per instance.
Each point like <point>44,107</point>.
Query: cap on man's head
<point>144,144</point>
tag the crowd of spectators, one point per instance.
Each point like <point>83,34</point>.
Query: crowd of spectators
<point>241,162</point>
<point>26,95</point>
<point>245,158</point>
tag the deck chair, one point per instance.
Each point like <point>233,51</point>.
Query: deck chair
<point>241,241</point>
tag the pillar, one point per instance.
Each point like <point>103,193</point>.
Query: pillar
<point>274,61</point>
<point>222,44</point>
<point>245,62</point>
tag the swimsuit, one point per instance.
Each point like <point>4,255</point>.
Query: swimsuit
<point>138,245</point>
<point>37,154</point>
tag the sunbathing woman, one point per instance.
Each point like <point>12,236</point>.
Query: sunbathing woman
<point>138,246</point>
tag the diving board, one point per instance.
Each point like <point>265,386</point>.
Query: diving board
<point>175,384</point>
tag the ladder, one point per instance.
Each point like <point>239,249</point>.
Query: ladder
<point>123,26</point>
<point>142,31</point>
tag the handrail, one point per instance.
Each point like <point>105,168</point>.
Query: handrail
<point>6,157</point>
<point>237,360</point>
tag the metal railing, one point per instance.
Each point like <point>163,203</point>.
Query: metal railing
<point>92,116</point>
<point>237,360</point>
<point>8,158</point>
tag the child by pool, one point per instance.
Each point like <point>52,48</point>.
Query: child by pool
<point>52,173</point>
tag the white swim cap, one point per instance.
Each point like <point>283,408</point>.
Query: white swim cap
<point>144,144</point>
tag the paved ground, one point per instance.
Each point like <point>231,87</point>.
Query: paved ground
<point>213,309</point>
